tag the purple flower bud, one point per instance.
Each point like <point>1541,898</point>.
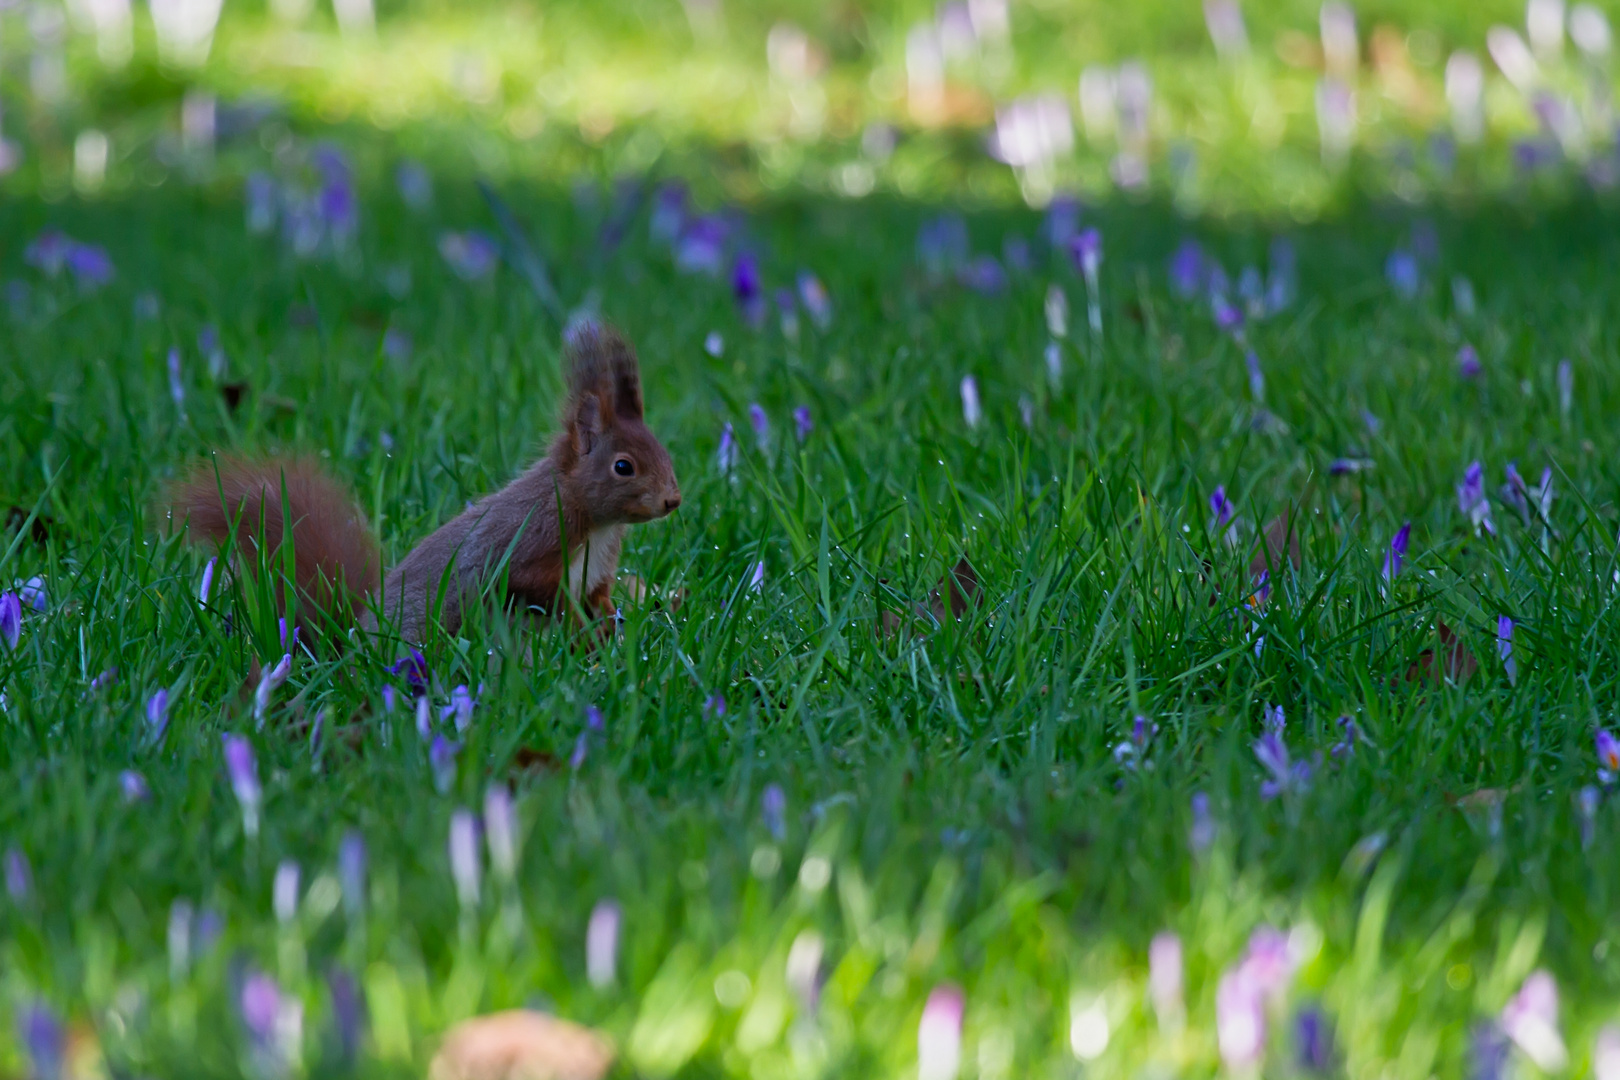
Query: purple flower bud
<point>244,778</point>
<point>387,698</point>
<point>348,1013</point>
<point>177,384</point>
<point>464,869</point>
<point>1227,317</point>
<point>352,872</point>
<point>207,581</point>
<point>500,825</point>
<point>1504,648</point>
<point>815,299</point>
<point>1257,378</point>
<point>1272,719</point>
<point>701,247</point>
<point>1468,365</point>
<point>415,670</point>
<point>726,457</point>
<point>669,212</point>
<point>45,1040</point>
<point>1471,499</point>
<point>461,707</point>
<point>104,680</point>
<point>802,424</point>
<point>31,594</point>
<point>442,761</point>
<point>91,266</point>
<point>19,876</point>
<point>414,184</point>
<point>714,706</point>
<point>983,275</point>
<point>424,718</point>
<point>133,785</point>
<point>1350,733</point>
<point>1608,753</point>
<point>340,209</point>
<point>756,579</point>
<point>747,290</point>
<point>1404,276</point>
<point>972,413</point>
<point>49,252</point>
<point>268,682</point>
<point>714,344</point>
<point>1287,776</point>
<point>602,943</point>
<point>1530,1019</point>
<point>1187,273</point>
<point>1313,1040</point>
<point>1221,506</point>
<point>1395,558</point>
<point>761,424</point>
<point>261,1008</point>
<point>773,806</point>
<point>471,255</point>
<point>939,1034</point>
<point>1587,801</point>
<point>1202,833</point>
<point>10,618</point>
<point>1566,387</point>
<point>1086,251</point>
<point>284,892</point>
<point>1165,978</point>
<point>157,715</point>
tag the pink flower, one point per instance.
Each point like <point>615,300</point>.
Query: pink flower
<point>939,1034</point>
<point>1530,1019</point>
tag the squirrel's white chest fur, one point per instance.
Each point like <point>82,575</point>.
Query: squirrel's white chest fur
<point>594,561</point>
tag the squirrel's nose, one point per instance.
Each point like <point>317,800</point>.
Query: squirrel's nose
<point>673,503</point>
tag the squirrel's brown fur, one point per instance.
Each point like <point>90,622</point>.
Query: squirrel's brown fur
<point>605,471</point>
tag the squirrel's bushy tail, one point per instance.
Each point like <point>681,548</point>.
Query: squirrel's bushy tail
<point>237,504</point>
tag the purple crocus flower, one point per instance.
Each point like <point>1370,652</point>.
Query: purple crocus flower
<point>1468,365</point>
<point>761,424</point>
<point>464,869</point>
<point>415,670</point>
<point>10,618</point>
<point>91,266</point>
<point>49,252</point>
<point>1608,753</point>
<point>415,185</point>
<point>1587,801</point>
<point>1251,289</point>
<point>984,275</point>
<point>813,295</point>
<point>602,943</point>
<point>500,831</point>
<point>1395,557</point>
<point>19,876</point>
<point>1401,268</point>
<point>972,413</point>
<point>747,290</point>
<point>773,807</point>
<point>348,1013</point>
<point>1287,776</point>
<point>268,682</point>
<point>726,457</point>
<point>1471,499</point>
<point>388,698</point>
<point>261,1009</point>
<point>340,209</point>
<point>1062,221</point>
<point>244,778</point>
<point>157,715</point>
<point>1202,833</point>
<point>32,593</point>
<point>207,585</point>
<point>471,255</point>
<point>942,245</point>
<point>1085,249</point>
<point>593,725</point>
<point>1221,506</point>
<point>1131,752</point>
<point>802,424</point>
<point>701,247</point>
<point>668,211</point>
<point>756,578</point>
<point>104,680</point>
<point>1349,735</point>
<point>1530,1019</point>
<point>177,384</point>
<point>45,1040</point>
<point>134,786</point>
<point>939,1034</point>
<point>1257,378</point>
<point>460,706</point>
<point>1228,317</point>
<point>424,718</point>
<point>714,344</point>
<point>352,872</point>
<point>1313,1040</point>
<point>284,892</point>
<point>715,706</point>
<point>1165,978</point>
<point>1272,719</point>
<point>1504,648</point>
<point>1187,274</point>
<point>442,761</point>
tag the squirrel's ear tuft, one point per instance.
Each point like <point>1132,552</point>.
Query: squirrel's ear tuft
<point>585,422</point>
<point>600,360</point>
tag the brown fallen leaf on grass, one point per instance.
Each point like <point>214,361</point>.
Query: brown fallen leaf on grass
<point>1455,662</point>
<point>521,1044</point>
<point>959,589</point>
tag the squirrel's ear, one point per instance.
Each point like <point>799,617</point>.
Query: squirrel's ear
<point>627,389</point>
<point>585,423</point>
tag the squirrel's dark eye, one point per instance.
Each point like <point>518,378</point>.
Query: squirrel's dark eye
<point>624,468</point>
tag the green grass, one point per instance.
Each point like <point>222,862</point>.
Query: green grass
<point>959,778</point>
<point>956,811</point>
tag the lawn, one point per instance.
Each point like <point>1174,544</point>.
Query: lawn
<point>1196,665</point>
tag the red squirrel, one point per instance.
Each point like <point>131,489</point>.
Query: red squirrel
<point>604,472</point>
